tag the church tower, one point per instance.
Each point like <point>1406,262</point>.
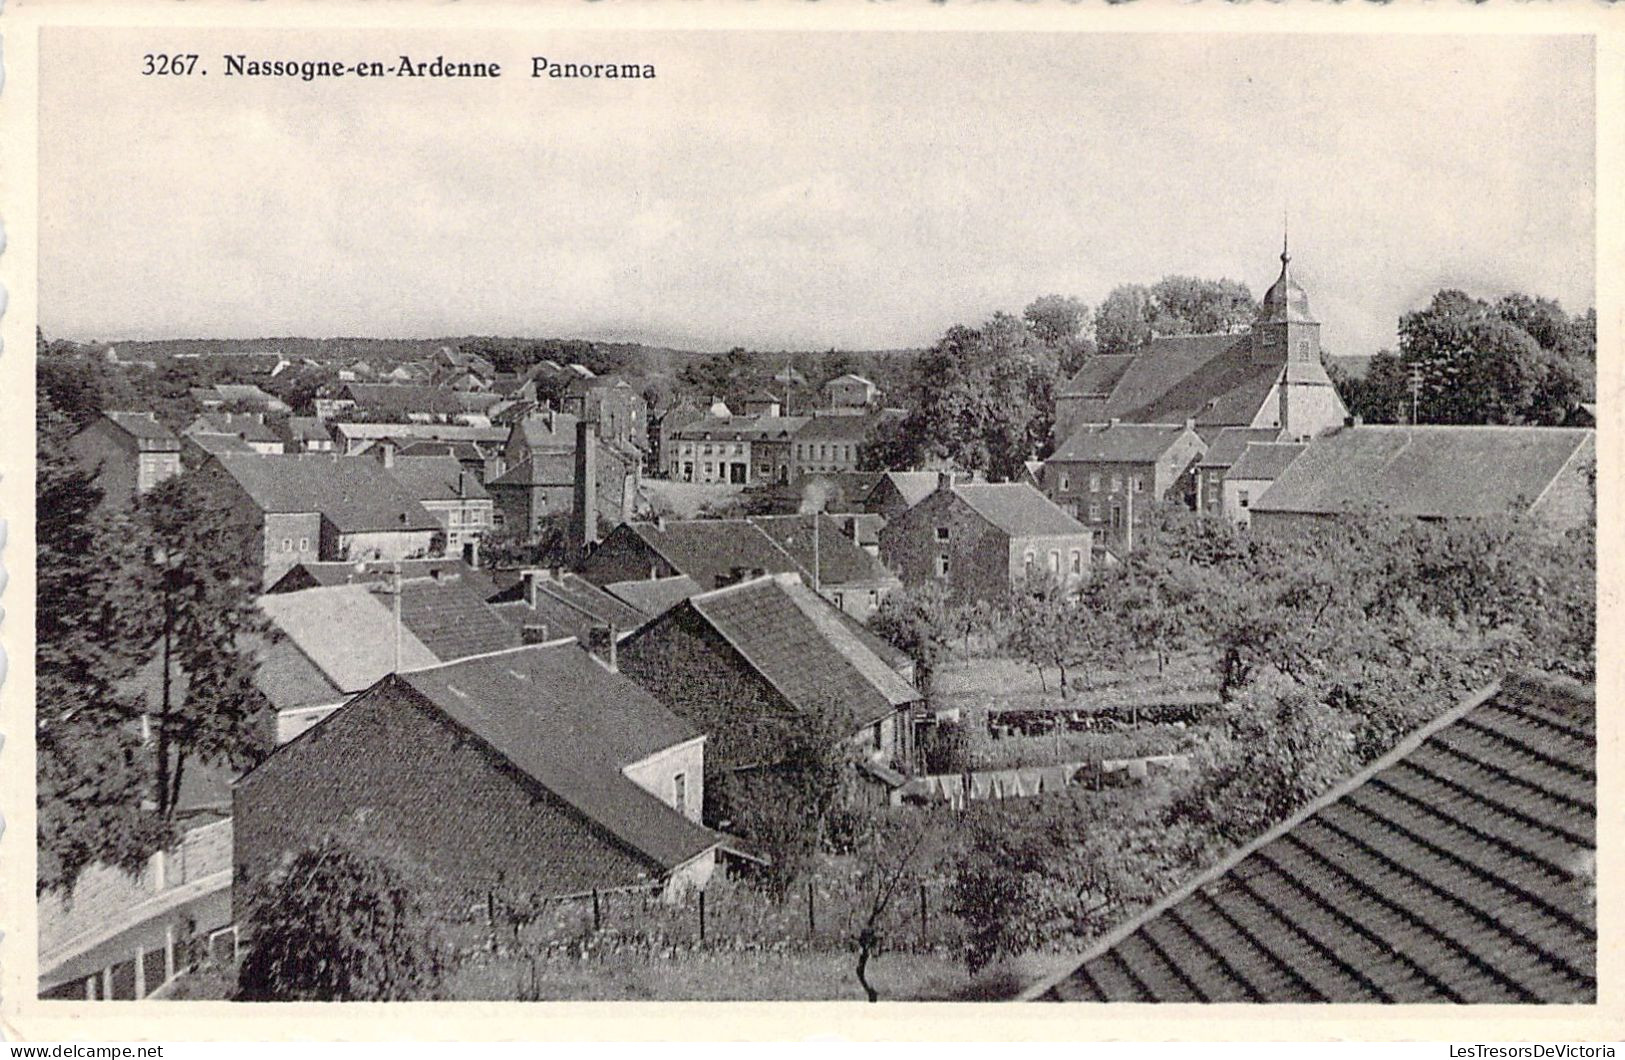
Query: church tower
<point>1284,331</point>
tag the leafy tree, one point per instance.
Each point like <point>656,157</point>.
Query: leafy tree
<point>919,622</point>
<point>1056,319</point>
<point>1043,626</point>
<point>893,860</point>
<point>1185,305</point>
<point>92,771</point>
<point>1123,320</point>
<point>202,579</point>
<point>986,403</point>
<point>339,924</point>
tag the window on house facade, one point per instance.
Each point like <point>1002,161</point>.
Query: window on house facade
<point>1065,484</point>
<point>1241,498</point>
<point>877,735</point>
<point>1027,563</point>
<point>1094,513</point>
<point>1054,561</point>
<point>679,791</point>
<point>1139,484</point>
<point>1077,561</point>
<point>1117,483</point>
<point>304,544</point>
<point>874,599</point>
<point>942,533</point>
<point>1094,483</point>
<point>287,544</point>
<point>942,566</point>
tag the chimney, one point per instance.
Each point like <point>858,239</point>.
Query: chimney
<point>945,480</point>
<point>534,633</point>
<point>1114,422</point>
<point>531,579</point>
<point>660,521</point>
<point>1190,423</point>
<point>601,642</point>
<point>584,512</point>
<point>386,452</point>
<point>462,484</point>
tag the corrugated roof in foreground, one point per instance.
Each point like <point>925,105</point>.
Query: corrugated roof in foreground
<point>572,726</point>
<point>1457,868</point>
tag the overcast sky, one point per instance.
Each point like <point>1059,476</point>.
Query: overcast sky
<point>801,191</point>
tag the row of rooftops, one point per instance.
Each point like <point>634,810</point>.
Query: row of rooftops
<point>1428,470</point>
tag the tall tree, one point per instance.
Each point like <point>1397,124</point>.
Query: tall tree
<point>1123,320</point>
<point>1186,305</point>
<point>90,635</point>
<point>202,579</point>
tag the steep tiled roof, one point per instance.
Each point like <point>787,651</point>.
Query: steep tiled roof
<point>555,430</point>
<point>451,619</point>
<point>708,549</point>
<point>436,478</point>
<point>1212,379</point>
<point>1425,471</point>
<point>1231,442</point>
<point>1018,509</point>
<point>355,494</point>
<point>840,560</point>
<point>654,596</point>
<point>1457,868</point>
<point>1264,461</point>
<point>572,726</point>
<point>575,603</point>
<point>1120,443</point>
<point>250,427</point>
<point>308,429</point>
<point>806,649</point>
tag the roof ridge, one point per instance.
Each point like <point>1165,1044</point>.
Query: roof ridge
<point>1398,753</point>
<point>559,643</point>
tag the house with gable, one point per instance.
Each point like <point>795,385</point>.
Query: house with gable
<point>1222,454</point>
<point>1101,473</point>
<point>1271,376</point>
<point>531,772</point>
<point>449,492</point>
<point>128,452</point>
<point>739,661</point>
<point>1259,465</point>
<point>980,539</point>
<point>898,491</point>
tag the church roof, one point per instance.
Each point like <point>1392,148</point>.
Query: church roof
<point>1285,301</point>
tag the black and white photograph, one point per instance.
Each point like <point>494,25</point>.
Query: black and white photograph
<point>773,515</point>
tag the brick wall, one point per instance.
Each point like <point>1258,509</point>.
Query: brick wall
<point>391,771</point>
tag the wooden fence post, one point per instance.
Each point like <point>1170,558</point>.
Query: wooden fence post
<point>596,920</point>
<point>702,916</point>
<point>922,912</point>
<point>811,924</point>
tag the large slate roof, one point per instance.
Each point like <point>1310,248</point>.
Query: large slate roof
<point>1018,509</point>
<point>1265,461</point>
<point>1425,471</point>
<point>144,426</point>
<point>355,494</point>
<point>654,596</point>
<point>809,651</point>
<point>1231,442</point>
<point>347,632</point>
<point>1212,379</point>
<point>839,559</point>
<point>451,618</point>
<point>436,478</point>
<point>1457,868</point>
<point>572,726</point>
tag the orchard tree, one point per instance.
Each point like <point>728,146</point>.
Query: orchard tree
<point>339,923</point>
<point>920,622</point>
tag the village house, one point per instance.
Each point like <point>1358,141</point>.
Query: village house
<point>761,403</point>
<point>614,404</point>
<point>1457,868</point>
<point>1222,454</point>
<point>464,772</point>
<point>321,507</point>
<point>1259,465</point>
<point>1105,475</point>
<point>306,434</point>
<point>248,426</point>
<point>663,456</point>
<point>738,661</point>
<point>405,403</point>
<point>833,560</point>
<point>1436,472</point>
<point>128,453</point>
<point>833,443</point>
<point>713,450</point>
<point>558,466</point>
<point>1271,376</point>
<point>242,396</point>
<point>450,493</point>
<point>978,540</point>
<point>850,392</point>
